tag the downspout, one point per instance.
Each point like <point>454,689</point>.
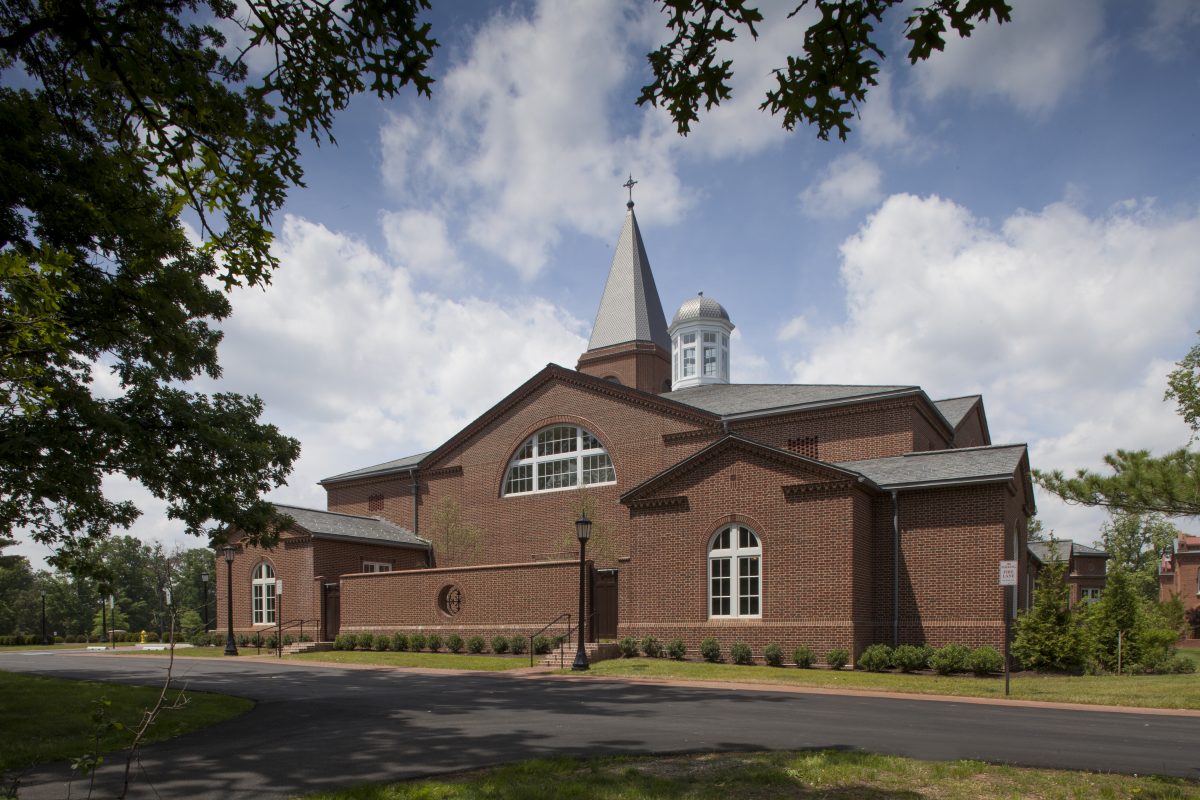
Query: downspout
<point>895,568</point>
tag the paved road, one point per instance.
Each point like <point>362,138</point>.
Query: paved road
<point>318,728</point>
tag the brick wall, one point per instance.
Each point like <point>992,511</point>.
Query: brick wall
<point>292,561</point>
<point>641,365</point>
<point>497,599</point>
<point>970,431</point>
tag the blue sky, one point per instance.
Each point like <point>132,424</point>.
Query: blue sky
<point>1018,217</point>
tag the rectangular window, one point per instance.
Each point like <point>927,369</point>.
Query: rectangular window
<point>376,566</point>
<point>710,361</point>
<point>559,439</point>
<point>557,474</point>
<point>689,361</point>
<point>689,338</point>
<point>264,603</point>
<point>598,469</point>
<point>748,592</point>
<point>710,338</point>
<point>520,479</point>
<point>719,577</point>
<point>1089,595</point>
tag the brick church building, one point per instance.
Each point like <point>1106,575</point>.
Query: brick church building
<point>818,515</point>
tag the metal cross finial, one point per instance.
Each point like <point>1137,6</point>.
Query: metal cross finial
<point>629,184</point>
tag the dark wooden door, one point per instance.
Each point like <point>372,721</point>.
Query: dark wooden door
<point>604,604</point>
<point>331,611</point>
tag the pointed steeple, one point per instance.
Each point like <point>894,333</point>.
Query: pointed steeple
<point>630,310</point>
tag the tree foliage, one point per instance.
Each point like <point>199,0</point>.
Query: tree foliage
<point>1141,483</point>
<point>116,118</point>
<point>455,540</point>
<point>825,82</point>
<point>1135,544</point>
<point>1047,637</point>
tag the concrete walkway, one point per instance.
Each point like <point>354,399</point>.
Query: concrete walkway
<point>321,727</point>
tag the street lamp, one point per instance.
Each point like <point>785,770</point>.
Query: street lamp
<point>583,530</point>
<point>204,584</point>
<point>43,593</point>
<point>229,551</point>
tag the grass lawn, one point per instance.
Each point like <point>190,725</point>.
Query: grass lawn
<point>49,719</point>
<point>193,652</point>
<point>1145,691</point>
<point>838,775</point>
<point>72,646</point>
<point>477,663</point>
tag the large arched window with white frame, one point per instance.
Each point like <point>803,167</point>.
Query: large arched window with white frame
<point>735,573</point>
<point>262,593</point>
<point>558,457</point>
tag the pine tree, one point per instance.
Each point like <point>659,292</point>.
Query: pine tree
<point>1047,637</point>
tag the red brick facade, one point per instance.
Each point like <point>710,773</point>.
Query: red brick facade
<point>1179,577</point>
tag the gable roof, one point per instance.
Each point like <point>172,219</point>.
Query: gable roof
<point>734,441</point>
<point>629,308</point>
<point>405,464</point>
<point>1062,547</point>
<point>991,464</point>
<point>732,399</point>
<point>955,409</point>
<point>332,525</point>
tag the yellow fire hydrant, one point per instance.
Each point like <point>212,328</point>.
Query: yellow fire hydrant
<point>143,639</point>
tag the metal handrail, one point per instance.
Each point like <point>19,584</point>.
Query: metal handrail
<point>547,627</point>
<point>292,624</point>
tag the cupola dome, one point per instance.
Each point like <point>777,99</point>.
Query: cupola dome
<point>699,343</point>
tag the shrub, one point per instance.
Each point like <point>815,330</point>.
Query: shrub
<point>416,642</point>
<point>433,642</point>
<point>365,641</point>
<point>773,655</point>
<point>676,649</point>
<point>949,659</point>
<point>304,637</point>
<point>876,658</point>
<point>270,642</point>
<point>517,644</point>
<point>651,647</point>
<point>152,637</point>
<point>740,653</point>
<point>1046,637</point>
<point>343,641</point>
<point>837,658</point>
<point>475,644</point>
<point>908,658</point>
<point>382,642</point>
<point>542,645</point>
<point>400,642</point>
<point>985,660</point>
<point>628,647</point>
<point>243,640</point>
<point>499,644</point>
<point>710,650</point>
<point>288,639</point>
<point>804,657</point>
<point>454,643</point>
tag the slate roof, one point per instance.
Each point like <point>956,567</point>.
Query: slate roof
<point>379,469</point>
<point>1065,547</point>
<point>629,308</point>
<point>933,467</point>
<point>1084,550</point>
<point>727,399</point>
<point>955,408</point>
<point>331,525</point>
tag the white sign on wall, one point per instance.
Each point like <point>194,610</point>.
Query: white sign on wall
<point>1008,573</point>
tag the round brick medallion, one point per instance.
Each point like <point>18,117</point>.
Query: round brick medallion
<point>450,600</point>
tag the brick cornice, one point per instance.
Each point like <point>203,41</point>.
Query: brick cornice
<point>679,502</point>
<point>690,436</point>
<point>803,491</point>
<point>444,472</point>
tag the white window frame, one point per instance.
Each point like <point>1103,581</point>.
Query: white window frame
<point>262,594</point>
<point>376,566</point>
<point>564,469</point>
<point>734,559</point>
<point>1089,595</point>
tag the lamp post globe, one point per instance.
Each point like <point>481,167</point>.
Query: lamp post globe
<point>583,531</point>
<point>204,586</point>
<point>229,551</point>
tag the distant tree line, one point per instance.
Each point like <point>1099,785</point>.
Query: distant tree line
<point>135,574</point>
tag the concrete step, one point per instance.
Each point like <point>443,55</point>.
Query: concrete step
<point>307,647</point>
<point>596,651</point>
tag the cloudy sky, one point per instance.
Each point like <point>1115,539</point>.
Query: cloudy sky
<point>1018,217</point>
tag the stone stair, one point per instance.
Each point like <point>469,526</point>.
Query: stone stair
<point>307,647</point>
<point>564,655</point>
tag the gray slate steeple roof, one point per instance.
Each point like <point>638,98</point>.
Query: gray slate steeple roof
<point>630,309</point>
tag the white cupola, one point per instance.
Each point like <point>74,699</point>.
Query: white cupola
<point>699,343</point>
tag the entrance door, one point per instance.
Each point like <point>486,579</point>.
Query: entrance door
<point>604,604</point>
<point>331,611</point>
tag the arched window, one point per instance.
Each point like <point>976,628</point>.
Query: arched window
<point>558,457</point>
<point>262,590</point>
<point>735,573</point>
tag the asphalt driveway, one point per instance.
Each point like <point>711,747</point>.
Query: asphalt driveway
<point>321,727</point>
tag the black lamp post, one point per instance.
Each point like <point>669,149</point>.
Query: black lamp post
<point>583,530</point>
<point>103,618</point>
<point>43,592</point>
<point>229,551</point>
<point>204,587</point>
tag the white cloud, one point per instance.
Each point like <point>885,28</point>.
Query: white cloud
<point>848,183</point>
<point>419,242</point>
<point>1032,61</point>
<point>793,329</point>
<point>1166,37</point>
<point>522,138</point>
<point>881,124</point>
<point>1066,324</point>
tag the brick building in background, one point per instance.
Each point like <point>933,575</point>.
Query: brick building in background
<point>818,515</point>
<point>1179,576</point>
